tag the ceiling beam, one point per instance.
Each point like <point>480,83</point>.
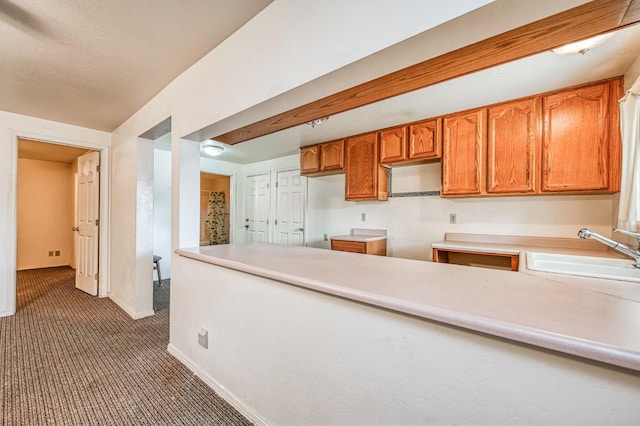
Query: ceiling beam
<point>591,19</point>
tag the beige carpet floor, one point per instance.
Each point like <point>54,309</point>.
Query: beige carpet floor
<point>67,358</point>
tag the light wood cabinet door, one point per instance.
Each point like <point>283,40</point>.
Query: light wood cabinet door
<point>393,145</point>
<point>576,141</point>
<point>365,178</point>
<point>513,144</point>
<point>425,139</point>
<point>462,153</point>
<point>309,159</point>
<point>332,155</point>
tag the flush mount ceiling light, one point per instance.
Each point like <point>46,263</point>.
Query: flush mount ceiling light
<point>211,149</point>
<point>581,46</point>
<point>317,121</point>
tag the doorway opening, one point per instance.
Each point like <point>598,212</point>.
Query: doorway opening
<point>58,211</point>
<point>215,209</point>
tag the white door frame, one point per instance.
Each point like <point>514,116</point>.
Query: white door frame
<point>233,206</point>
<point>103,283</point>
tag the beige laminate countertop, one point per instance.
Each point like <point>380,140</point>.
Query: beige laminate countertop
<point>563,315</point>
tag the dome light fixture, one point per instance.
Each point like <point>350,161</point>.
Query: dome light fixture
<point>581,46</point>
<point>210,149</point>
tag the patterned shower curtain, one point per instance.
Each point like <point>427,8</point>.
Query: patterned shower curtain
<point>215,219</point>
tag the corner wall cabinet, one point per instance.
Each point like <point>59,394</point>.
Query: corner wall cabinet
<point>365,178</point>
<point>322,159</point>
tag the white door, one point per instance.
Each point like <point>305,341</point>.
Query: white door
<point>290,208</point>
<point>257,212</point>
<point>87,203</point>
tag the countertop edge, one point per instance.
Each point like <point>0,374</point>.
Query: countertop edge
<point>537,338</point>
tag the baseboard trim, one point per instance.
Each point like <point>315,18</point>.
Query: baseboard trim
<point>129,311</point>
<point>217,387</point>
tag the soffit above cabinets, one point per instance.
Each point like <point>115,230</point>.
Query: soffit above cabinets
<point>537,73</point>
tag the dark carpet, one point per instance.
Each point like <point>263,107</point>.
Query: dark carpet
<point>67,358</point>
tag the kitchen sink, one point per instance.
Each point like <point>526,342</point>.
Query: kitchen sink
<point>584,266</point>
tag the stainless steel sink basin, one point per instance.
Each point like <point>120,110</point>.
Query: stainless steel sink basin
<point>584,266</point>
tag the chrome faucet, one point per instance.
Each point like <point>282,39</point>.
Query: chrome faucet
<point>622,248</point>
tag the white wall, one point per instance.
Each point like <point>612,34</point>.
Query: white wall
<point>414,223</point>
<point>46,205</point>
<point>287,355</point>
<point>225,82</point>
<point>162,209</point>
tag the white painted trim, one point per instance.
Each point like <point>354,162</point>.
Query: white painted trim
<point>217,387</point>
<point>105,241</point>
<point>10,306</point>
<point>132,313</point>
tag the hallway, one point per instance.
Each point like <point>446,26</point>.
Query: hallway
<point>67,358</point>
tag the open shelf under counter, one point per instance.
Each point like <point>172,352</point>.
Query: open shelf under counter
<point>503,251</point>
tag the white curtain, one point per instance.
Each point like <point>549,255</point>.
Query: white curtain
<point>629,208</point>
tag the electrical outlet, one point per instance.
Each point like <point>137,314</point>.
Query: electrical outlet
<point>326,237</point>
<point>363,217</point>
<point>453,219</point>
<point>203,338</point>
<point>57,253</point>
<point>51,253</point>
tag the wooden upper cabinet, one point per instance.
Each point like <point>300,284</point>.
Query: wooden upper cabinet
<point>513,144</point>
<point>393,145</point>
<point>462,153</point>
<point>425,139</point>
<point>322,159</point>
<point>581,141</point>
<point>309,159</point>
<point>365,178</point>
<point>332,155</point>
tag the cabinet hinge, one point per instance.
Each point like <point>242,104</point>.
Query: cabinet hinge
<point>96,277</point>
<point>97,222</point>
<point>276,184</point>
<point>276,221</point>
<point>98,169</point>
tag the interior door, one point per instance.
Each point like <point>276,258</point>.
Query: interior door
<point>87,204</point>
<point>290,207</point>
<point>257,210</point>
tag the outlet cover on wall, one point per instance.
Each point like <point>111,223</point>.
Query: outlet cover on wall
<point>203,338</point>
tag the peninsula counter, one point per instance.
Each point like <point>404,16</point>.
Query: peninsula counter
<point>301,318</point>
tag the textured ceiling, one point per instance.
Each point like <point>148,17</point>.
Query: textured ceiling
<point>93,63</point>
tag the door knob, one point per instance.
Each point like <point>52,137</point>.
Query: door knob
<point>300,229</point>
<point>75,228</point>
<point>246,226</point>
